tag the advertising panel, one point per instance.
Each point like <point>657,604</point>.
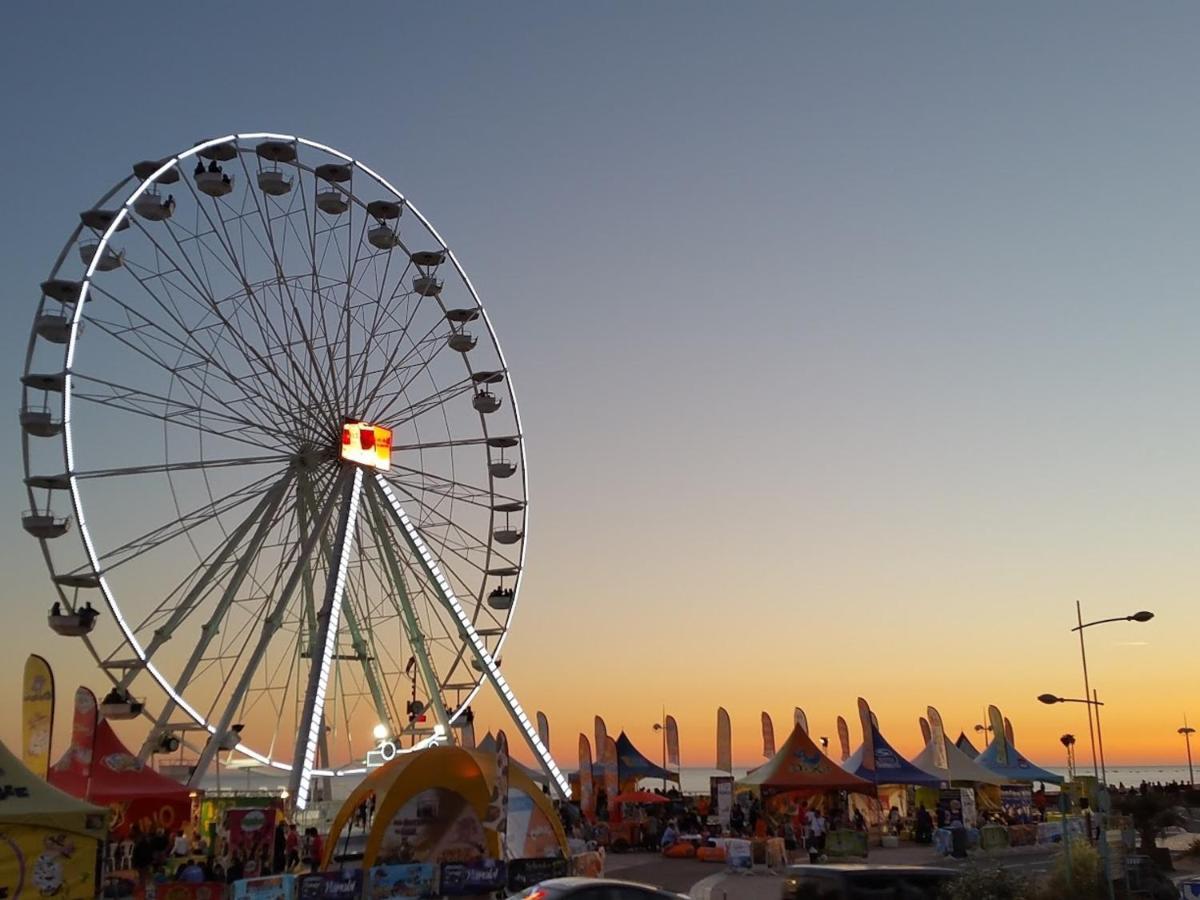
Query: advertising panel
<point>480,876</point>
<point>523,873</point>
<point>272,887</point>
<point>345,884</point>
<point>408,880</point>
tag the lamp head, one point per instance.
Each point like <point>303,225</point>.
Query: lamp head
<point>380,732</point>
<point>1049,699</point>
<point>1142,616</point>
<point>1187,730</point>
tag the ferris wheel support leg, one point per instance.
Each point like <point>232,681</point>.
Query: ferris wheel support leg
<point>270,625</point>
<point>264,513</point>
<point>412,625</point>
<point>312,717</point>
<point>373,677</point>
<point>474,642</point>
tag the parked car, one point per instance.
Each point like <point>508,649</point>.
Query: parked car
<point>864,882</point>
<point>594,889</point>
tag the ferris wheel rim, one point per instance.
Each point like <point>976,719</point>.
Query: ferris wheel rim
<point>127,631</point>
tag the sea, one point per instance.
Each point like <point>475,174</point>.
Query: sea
<point>692,780</point>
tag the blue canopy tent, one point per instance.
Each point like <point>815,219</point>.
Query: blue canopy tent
<point>633,766</point>
<point>1004,759</point>
<point>883,765</point>
<point>964,744</point>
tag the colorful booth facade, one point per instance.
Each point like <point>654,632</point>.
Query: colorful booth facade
<point>438,806</point>
<point>49,841</point>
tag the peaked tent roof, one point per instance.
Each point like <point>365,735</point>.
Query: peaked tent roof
<point>959,766</point>
<point>964,744</point>
<point>488,745</point>
<point>631,764</point>
<point>890,767</point>
<point>799,764</point>
<point>1018,768</point>
<point>31,801</point>
<point>116,774</point>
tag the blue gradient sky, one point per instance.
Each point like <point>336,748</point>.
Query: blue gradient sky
<point>854,342</point>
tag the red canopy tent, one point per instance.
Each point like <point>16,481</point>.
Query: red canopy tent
<point>112,776</point>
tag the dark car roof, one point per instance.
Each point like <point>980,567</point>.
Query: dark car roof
<point>872,869</point>
<point>572,882</point>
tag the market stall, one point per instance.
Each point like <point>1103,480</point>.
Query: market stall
<point>49,841</point>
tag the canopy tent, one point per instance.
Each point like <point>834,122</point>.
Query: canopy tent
<point>964,744</point>
<point>633,766</point>
<point>798,765</point>
<point>1005,760</point>
<point>959,767</point>
<point>56,836</point>
<point>886,766</point>
<point>134,793</point>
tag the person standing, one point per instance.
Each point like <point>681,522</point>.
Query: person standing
<point>817,827</point>
<point>291,848</point>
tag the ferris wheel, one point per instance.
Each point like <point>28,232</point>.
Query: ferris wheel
<point>265,395</point>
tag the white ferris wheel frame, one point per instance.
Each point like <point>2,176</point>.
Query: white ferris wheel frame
<point>486,661</point>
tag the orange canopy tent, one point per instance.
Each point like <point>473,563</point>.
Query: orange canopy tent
<point>800,765</point>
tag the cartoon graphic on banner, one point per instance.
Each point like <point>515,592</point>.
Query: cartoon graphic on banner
<point>843,738</point>
<point>411,880</point>
<point>724,742</point>
<point>672,743</point>
<point>587,791</point>
<point>437,825</point>
<point>800,719</point>
<point>37,715</point>
<point>768,730</point>
<point>78,758</point>
<point>51,865</point>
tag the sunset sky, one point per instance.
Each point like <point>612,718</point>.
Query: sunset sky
<point>854,342</point>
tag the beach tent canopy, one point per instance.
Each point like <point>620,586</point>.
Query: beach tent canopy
<point>959,766</point>
<point>632,765</point>
<point>1006,761</point>
<point>799,764</point>
<point>132,791</point>
<point>889,766</point>
<point>964,744</point>
<point>31,801</point>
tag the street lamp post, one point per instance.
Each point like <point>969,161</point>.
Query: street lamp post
<point>1187,733</point>
<point>1094,701</point>
<point>1140,616</point>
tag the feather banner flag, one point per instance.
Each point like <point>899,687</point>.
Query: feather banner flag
<point>612,781</point>
<point>37,715</point>
<point>996,720</point>
<point>601,736</point>
<point>587,792</point>
<point>724,741</point>
<point>672,743</point>
<point>768,730</point>
<point>867,719</point>
<point>801,719</point>
<point>1008,732</point>
<point>844,738</point>
<point>925,732</point>
<point>543,729</point>
<point>938,734</point>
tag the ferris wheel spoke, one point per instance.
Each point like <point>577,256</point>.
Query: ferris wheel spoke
<point>431,402</point>
<point>451,488</point>
<point>396,364</point>
<point>167,531</point>
<point>184,466</point>
<point>271,623</point>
